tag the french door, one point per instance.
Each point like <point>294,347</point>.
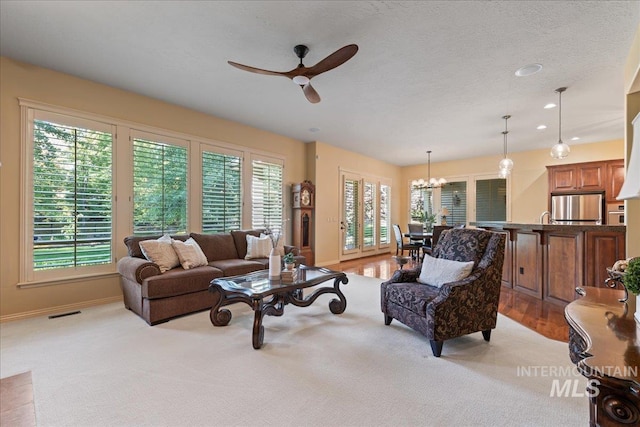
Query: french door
<point>365,215</point>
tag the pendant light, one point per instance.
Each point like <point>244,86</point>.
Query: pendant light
<point>560,150</point>
<point>506,164</point>
<point>430,182</point>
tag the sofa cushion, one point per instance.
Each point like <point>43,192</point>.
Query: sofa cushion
<point>279,246</point>
<point>216,246</point>
<point>438,271</point>
<point>412,296</point>
<point>234,267</point>
<point>161,252</point>
<point>189,253</point>
<point>240,239</point>
<point>258,247</point>
<point>179,281</point>
<point>133,243</point>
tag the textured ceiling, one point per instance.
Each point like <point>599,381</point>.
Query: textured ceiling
<point>428,75</point>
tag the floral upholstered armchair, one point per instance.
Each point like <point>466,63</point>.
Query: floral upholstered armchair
<point>429,301</point>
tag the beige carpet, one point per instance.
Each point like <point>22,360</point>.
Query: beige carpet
<point>106,367</point>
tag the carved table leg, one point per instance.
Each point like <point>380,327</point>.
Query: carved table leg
<point>338,306</point>
<point>220,317</point>
<point>258,330</point>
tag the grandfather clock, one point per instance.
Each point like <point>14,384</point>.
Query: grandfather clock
<point>303,197</point>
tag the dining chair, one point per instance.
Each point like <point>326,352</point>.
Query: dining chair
<point>401,246</point>
<point>418,229</point>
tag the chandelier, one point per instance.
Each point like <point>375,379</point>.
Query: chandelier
<point>421,184</point>
<point>506,164</point>
<point>560,150</point>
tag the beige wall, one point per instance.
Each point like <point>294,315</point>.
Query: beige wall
<point>632,108</point>
<point>46,86</point>
<point>318,161</point>
<point>529,179</point>
<point>327,162</point>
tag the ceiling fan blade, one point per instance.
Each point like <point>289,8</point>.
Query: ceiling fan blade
<point>337,58</point>
<point>311,93</point>
<point>258,70</point>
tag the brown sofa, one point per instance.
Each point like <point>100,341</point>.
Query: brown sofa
<point>158,297</point>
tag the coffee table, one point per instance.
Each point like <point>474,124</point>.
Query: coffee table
<point>268,297</point>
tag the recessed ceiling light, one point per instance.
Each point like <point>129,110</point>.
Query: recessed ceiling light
<point>540,127</point>
<point>550,105</point>
<point>575,138</point>
<point>528,70</point>
<point>314,130</point>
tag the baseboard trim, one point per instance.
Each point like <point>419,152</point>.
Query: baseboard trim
<point>59,309</point>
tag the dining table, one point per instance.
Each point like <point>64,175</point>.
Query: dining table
<point>425,236</point>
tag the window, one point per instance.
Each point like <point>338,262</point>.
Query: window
<point>71,193</point>
<point>491,199</point>
<point>266,194</point>
<point>370,213</point>
<point>350,214</point>
<point>159,187</point>
<point>454,197</point>
<point>385,214</point>
<point>221,192</point>
<point>421,204</point>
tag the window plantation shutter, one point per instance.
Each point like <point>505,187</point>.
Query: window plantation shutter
<point>491,200</point>
<point>72,195</point>
<point>266,195</point>
<point>159,188</point>
<point>221,192</point>
<point>370,213</point>
<point>385,214</point>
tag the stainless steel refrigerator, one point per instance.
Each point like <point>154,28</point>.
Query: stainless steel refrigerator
<point>577,209</point>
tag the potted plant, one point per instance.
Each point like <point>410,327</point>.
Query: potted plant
<point>289,261</point>
<point>631,281</point>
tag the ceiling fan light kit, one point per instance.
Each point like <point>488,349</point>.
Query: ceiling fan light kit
<point>302,75</point>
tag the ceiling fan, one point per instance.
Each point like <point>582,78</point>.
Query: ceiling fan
<point>302,75</point>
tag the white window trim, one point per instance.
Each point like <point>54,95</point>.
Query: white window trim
<point>27,275</point>
<point>122,220</point>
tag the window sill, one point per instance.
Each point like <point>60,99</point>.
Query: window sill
<point>64,280</point>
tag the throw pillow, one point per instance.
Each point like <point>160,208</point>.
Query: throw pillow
<point>279,247</point>
<point>258,247</point>
<point>438,271</point>
<point>190,253</point>
<point>160,252</point>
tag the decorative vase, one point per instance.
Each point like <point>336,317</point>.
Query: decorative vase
<point>274,264</point>
<point>289,266</point>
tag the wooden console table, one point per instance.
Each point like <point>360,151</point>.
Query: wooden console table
<point>604,343</point>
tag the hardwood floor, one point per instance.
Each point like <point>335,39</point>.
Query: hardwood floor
<point>543,317</point>
<point>16,401</point>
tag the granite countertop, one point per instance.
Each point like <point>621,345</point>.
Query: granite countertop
<point>505,225</point>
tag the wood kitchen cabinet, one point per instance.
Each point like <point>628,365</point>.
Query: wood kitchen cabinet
<point>564,264</point>
<point>527,263</point>
<point>603,249</point>
<point>607,176</point>
<point>589,176</point>
<point>614,179</point>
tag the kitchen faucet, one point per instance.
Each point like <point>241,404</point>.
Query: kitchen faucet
<point>542,216</point>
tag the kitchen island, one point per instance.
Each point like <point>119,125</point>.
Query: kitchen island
<point>549,261</point>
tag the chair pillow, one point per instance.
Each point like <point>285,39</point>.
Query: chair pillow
<point>258,247</point>
<point>189,253</point>
<point>438,271</point>
<point>161,252</point>
<point>279,246</point>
